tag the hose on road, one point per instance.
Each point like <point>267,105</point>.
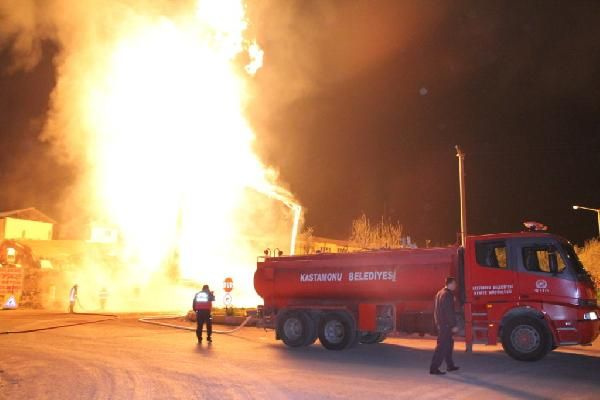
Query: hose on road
<point>47,328</point>
<point>148,320</point>
<point>153,320</point>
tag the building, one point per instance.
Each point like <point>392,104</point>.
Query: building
<point>39,273</point>
<point>27,223</point>
<point>102,233</point>
<point>318,244</point>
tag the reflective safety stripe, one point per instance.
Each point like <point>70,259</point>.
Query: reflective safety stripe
<point>203,301</point>
<point>202,297</point>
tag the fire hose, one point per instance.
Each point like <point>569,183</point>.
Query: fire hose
<point>112,316</point>
<point>153,320</point>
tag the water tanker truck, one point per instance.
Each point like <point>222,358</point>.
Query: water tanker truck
<point>527,290</point>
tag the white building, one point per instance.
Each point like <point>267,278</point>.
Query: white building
<point>100,233</point>
<point>27,223</point>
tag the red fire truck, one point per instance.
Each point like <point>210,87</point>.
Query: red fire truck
<point>527,290</point>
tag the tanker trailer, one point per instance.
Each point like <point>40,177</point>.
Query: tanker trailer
<point>346,298</point>
<point>527,290</point>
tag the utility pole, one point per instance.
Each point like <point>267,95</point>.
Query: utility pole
<point>463,240</point>
<point>463,204</point>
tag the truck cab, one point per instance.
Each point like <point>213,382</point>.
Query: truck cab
<point>529,290</point>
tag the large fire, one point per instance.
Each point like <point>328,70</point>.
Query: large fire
<point>171,149</point>
<point>154,102</point>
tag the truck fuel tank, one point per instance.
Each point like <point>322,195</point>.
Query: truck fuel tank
<point>374,276</point>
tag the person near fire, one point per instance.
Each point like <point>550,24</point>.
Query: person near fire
<point>445,320</point>
<point>103,295</point>
<point>72,298</point>
<point>202,305</point>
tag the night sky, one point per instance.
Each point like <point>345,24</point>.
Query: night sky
<point>359,105</point>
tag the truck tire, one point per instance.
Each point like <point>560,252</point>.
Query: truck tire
<point>370,337</point>
<point>295,328</point>
<point>337,331</point>
<point>526,339</point>
<point>312,333</point>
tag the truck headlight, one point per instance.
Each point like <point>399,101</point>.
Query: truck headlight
<point>590,316</point>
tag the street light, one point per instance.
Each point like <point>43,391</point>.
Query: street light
<point>596,210</point>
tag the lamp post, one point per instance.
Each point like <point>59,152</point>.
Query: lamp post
<point>596,210</point>
<point>463,200</point>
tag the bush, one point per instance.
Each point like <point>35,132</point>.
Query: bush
<point>382,235</point>
<point>590,257</point>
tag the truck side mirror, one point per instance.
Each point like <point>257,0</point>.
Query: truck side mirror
<point>553,262</point>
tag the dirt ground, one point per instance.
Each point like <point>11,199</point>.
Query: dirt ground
<point>125,359</point>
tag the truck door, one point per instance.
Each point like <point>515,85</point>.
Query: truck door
<point>490,283</point>
<point>537,281</point>
<point>492,273</point>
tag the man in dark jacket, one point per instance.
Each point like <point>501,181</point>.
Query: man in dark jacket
<point>445,320</point>
<point>202,304</point>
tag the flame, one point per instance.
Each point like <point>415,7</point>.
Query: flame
<point>169,150</point>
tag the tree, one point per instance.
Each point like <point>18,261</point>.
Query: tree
<point>589,255</point>
<point>383,235</point>
<point>306,238</point>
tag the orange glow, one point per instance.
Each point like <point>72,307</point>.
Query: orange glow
<point>169,148</point>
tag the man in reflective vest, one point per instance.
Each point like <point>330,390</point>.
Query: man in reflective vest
<point>203,306</point>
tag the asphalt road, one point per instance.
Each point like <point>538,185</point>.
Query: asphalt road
<point>125,359</point>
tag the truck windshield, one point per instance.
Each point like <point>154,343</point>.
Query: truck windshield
<point>574,261</point>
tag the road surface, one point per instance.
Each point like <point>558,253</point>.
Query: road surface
<point>125,359</point>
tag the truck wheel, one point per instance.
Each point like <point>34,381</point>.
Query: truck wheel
<point>311,331</point>
<point>295,328</point>
<point>313,335</point>
<point>370,337</point>
<point>312,339</point>
<point>382,337</point>
<point>526,339</point>
<point>337,331</point>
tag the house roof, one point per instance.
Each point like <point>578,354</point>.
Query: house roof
<point>31,214</point>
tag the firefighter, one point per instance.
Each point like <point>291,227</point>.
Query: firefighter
<point>72,298</point>
<point>202,305</point>
<point>445,320</point>
<point>103,296</point>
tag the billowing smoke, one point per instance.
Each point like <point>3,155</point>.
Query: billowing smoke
<point>149,109</point>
